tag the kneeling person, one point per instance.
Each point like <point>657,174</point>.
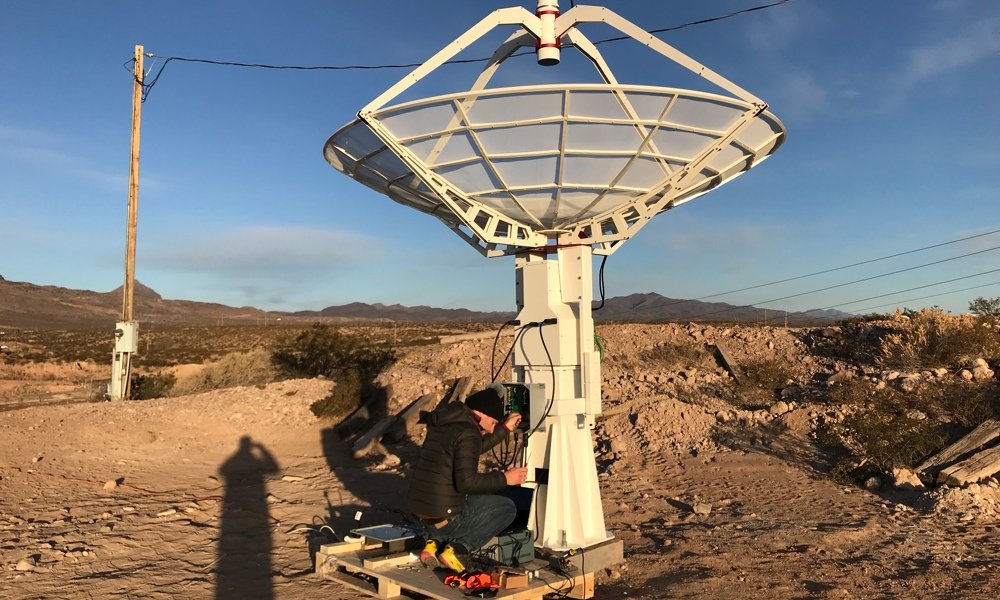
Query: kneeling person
<point>453,501</point>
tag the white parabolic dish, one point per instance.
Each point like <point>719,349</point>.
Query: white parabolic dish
<point>517,165</point>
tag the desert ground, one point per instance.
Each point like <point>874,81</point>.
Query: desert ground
<point>219,493</point>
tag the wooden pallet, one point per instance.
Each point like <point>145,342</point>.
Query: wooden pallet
<point>382,572</point>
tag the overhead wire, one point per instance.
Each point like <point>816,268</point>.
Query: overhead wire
<point>845,284</point>
<point>841,268</point>
<point>899,302</point>
<point>147,87</point>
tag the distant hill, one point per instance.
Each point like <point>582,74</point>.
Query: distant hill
<point>635,307</point>
<point>26,305</point>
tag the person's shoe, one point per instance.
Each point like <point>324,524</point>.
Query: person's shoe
<point>449,558</point>
<point>428,556</point>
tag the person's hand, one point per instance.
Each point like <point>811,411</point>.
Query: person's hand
<point>513,419</point>
<point>516,476</point>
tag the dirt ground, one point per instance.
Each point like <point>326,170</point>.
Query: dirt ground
<point>212,494</point>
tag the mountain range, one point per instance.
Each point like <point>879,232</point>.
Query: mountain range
<point>26,305</point>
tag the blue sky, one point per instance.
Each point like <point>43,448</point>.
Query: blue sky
<point>893,144</point>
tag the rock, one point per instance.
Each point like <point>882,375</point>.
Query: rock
<point>722,416</point>
<point>391,460</point>
<point>702,508</point>
<point>909,383</point>
<point>291,478</point>
<point>940,372</point>
<point>167,513</point>
<point>779,408</point>
<point>873,484</point>
<point>28,564</point>
<point>110,484</point>
<point>840,377</point>
<point>906,479</point>
<point>37,459</point>
<point>892,375</point>
<point>966,374</point>
<point>982,373</point>
<point>979,362</point>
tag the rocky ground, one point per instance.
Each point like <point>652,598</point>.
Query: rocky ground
<point>217,493</point>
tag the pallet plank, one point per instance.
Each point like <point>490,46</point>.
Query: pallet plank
<point>971,470</point>
<point>985,433</point>
<point>393,580</point>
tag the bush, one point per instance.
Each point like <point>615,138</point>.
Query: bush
<point>324,350</point>
<point>931,338</point>
<point>985,307</point>
<point>344,397</point>
<point>889,428</point>
<point>760,384</point>
<point>235,369</point>
<point>881,437</point>
<point>145,387</point>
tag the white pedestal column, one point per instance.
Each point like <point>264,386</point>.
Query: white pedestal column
<point>555,290</point>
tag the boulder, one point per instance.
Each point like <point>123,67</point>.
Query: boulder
<point>905,479</point>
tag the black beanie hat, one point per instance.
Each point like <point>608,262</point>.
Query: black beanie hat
<point>488,402</point>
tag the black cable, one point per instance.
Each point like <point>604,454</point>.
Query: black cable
<point>517,336</point>
<point>600,284</point>
<point>167,59</point>
<point>494,351</point>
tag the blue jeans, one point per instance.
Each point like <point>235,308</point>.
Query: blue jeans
<point>482,518</point>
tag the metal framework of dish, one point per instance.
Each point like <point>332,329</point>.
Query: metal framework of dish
<point>513,167</point>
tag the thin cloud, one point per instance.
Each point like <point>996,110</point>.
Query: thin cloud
<point>775,30</point>
<point>263,252</point>
<point>802,97</point>
<point>723,239</point>
<point>37,148</point>
<point>981,41</point>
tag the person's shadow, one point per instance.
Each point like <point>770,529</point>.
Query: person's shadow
<point>244,559</point>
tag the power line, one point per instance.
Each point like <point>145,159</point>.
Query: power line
<point>857,264</point>
<point>839,285</point>
<point>898,302</point>
<point>167,59</point>
<point>919,287</point>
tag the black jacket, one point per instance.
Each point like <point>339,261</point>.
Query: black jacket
<point>448,467</point>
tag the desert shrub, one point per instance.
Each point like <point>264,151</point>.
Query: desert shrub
<point>760,383</point>
<point>145,387</point>
<point>235,369</point>
<point>344,397</point>
<point>327,351</point>
<point>889,428</point>
<point>985,307</point>
<point>881,437</point>
<point>672,354</point>
<point>931,338</point>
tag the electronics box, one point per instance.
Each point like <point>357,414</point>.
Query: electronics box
<point>512,548</point>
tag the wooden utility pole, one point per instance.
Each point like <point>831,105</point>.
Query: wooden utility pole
<point>133,187</point>
<point>126,331</point>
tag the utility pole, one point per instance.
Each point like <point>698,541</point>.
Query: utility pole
<point>126,330</point>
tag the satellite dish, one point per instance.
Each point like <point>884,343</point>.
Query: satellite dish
<point>554,174</point>
<point>512,167</point>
